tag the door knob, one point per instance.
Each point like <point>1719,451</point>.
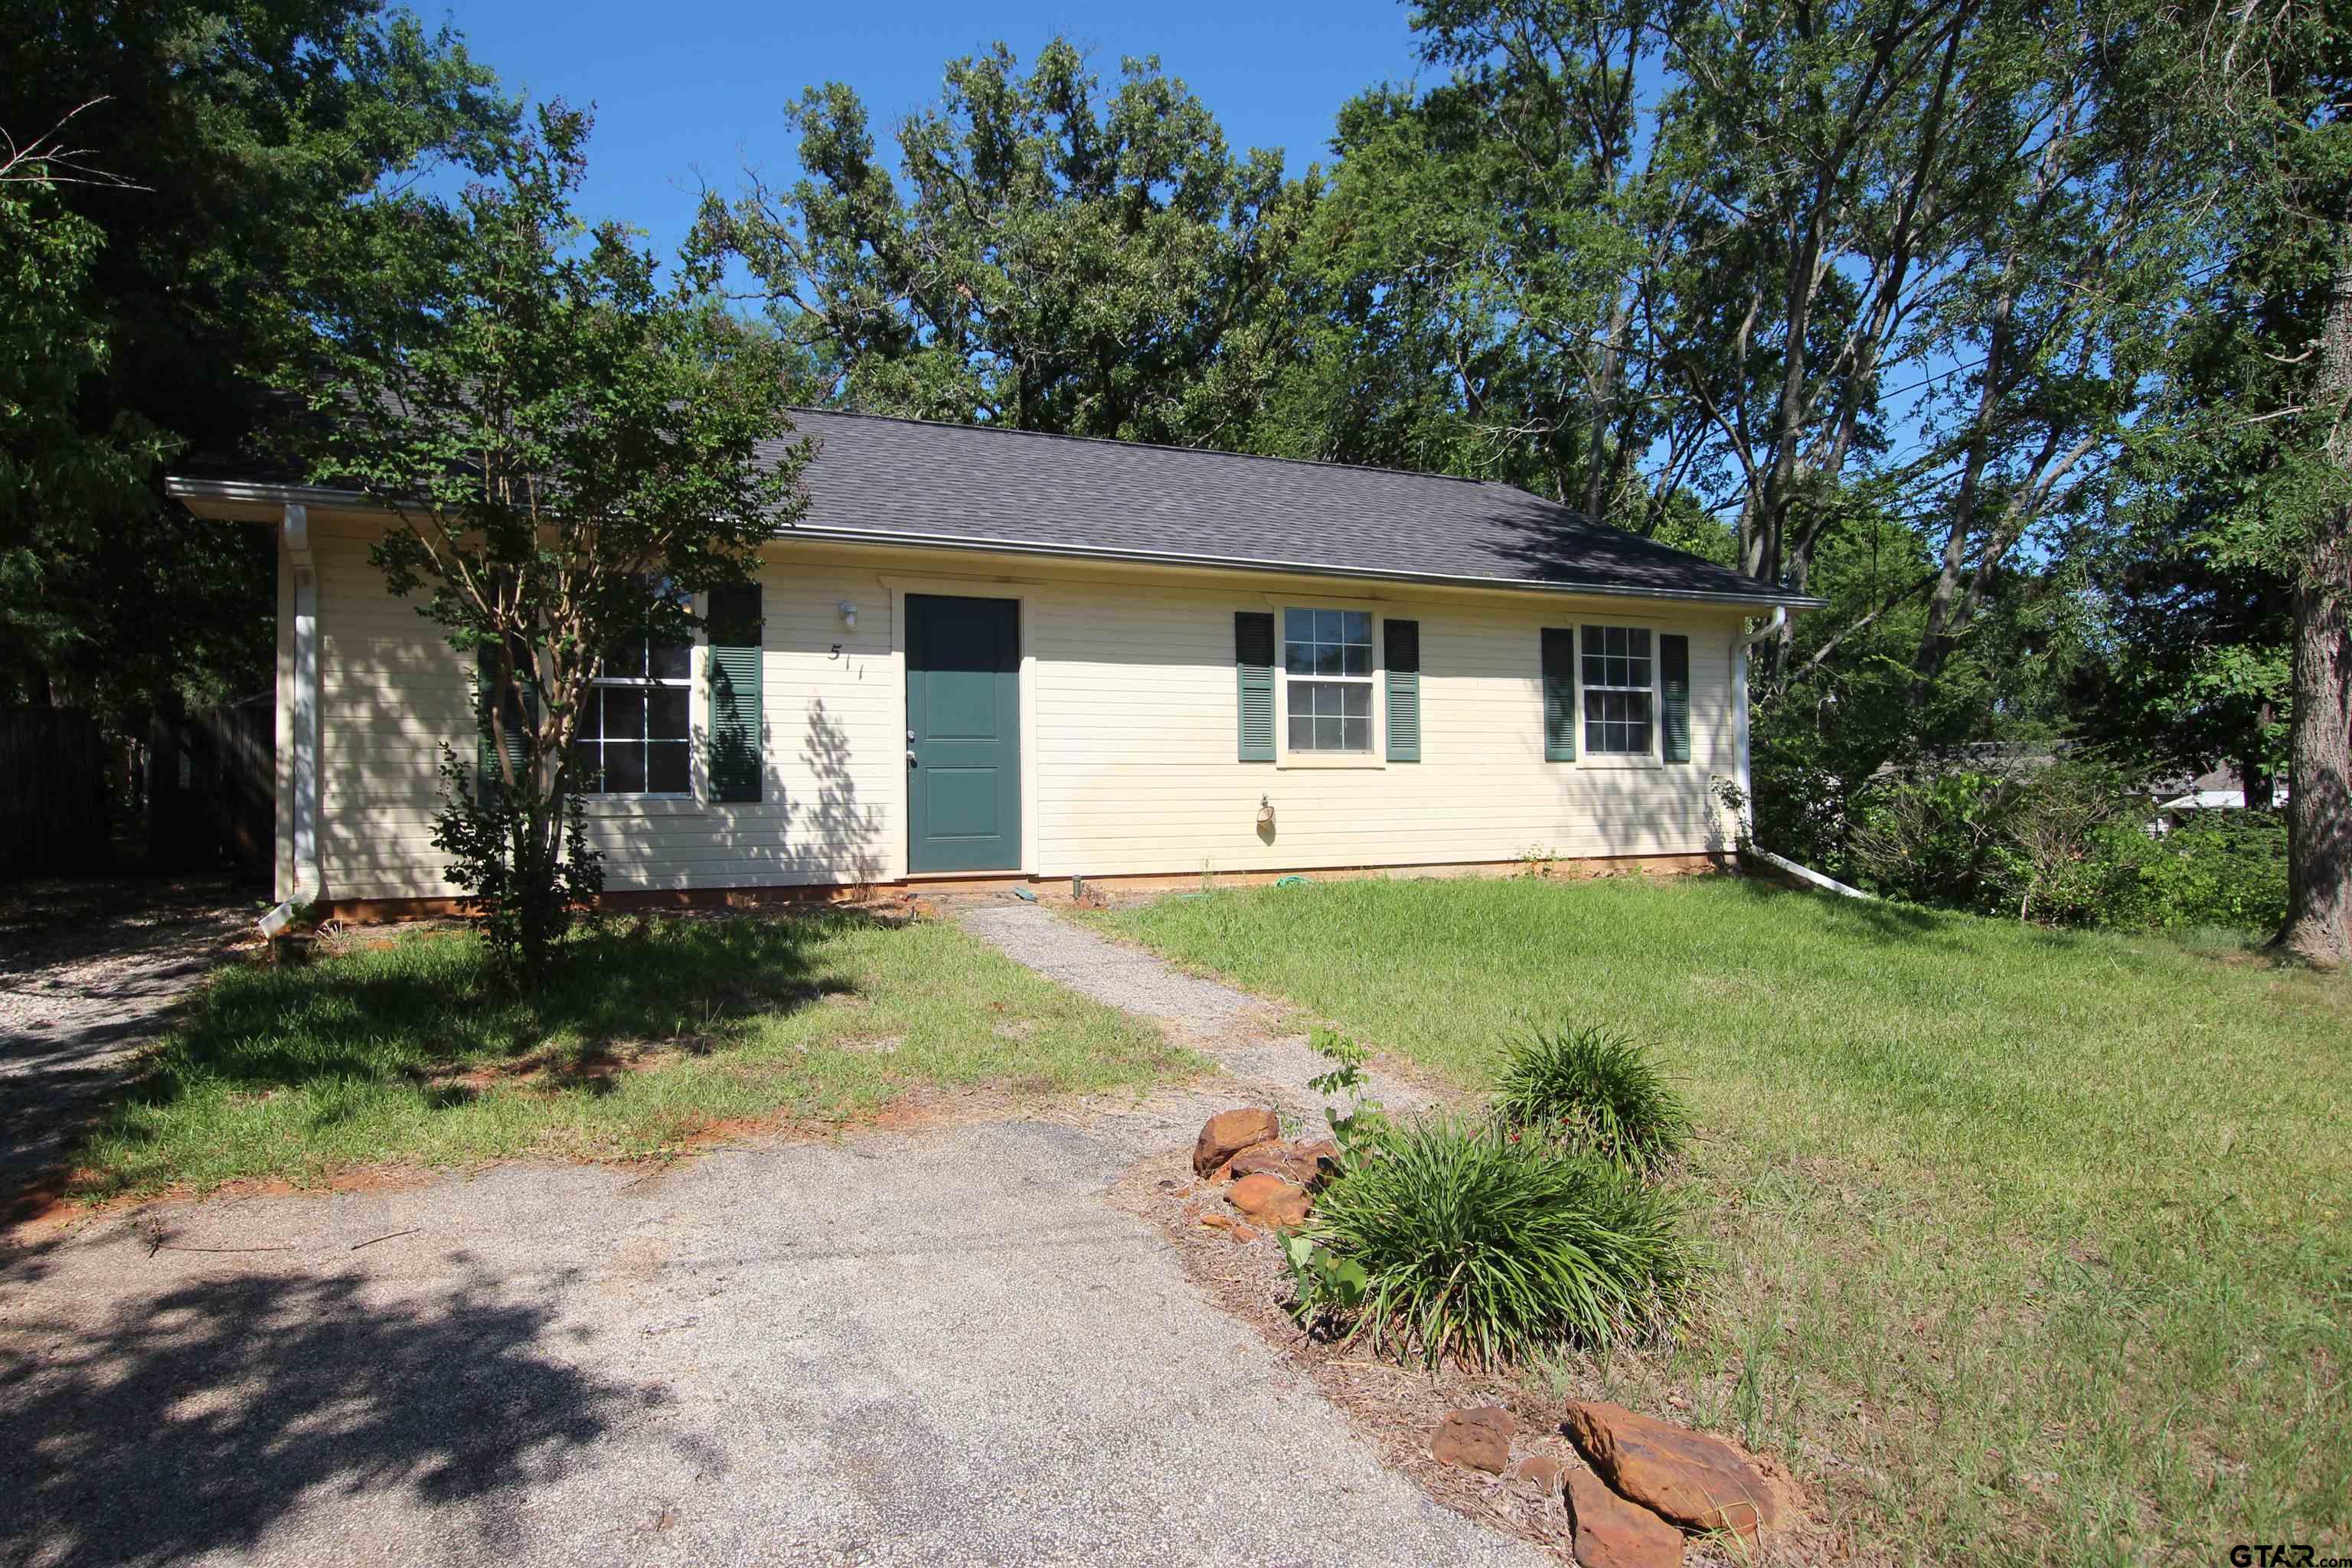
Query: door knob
<point>910,754</point>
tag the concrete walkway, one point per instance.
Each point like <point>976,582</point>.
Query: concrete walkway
<point>1235,1028</point>
<point>931,1349</point>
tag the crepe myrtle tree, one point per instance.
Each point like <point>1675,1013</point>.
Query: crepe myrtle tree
<point>568,448</point>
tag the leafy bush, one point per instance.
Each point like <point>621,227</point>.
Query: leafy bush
<point>2220,869</point>
<point>1938,839</point>
<point>1593,1090</point>
<point>1480,1246</point>
<point>525,897</point>
<point>2066,847</point>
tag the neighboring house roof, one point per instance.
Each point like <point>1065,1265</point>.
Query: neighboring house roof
<point>977,488</point>
<point>878,478</point>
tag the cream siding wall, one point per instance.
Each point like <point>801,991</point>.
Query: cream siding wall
<point>1136,771</point>
<point>1128,743</point>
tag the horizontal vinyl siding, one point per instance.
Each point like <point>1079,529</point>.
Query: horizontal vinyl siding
<point>393,691</point>
<point>1137,771</point>
<point>1130,747</point>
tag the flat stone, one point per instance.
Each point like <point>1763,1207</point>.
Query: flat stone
<point>1228,1132</point>
<point>1613,1533</point>
<point>1322,1154</point>
<point>1538,1475</point>
<point>1686,1477</point>
<point>1273,1160</point>
<point>1477,1439</point>
<point>1271,1201</point>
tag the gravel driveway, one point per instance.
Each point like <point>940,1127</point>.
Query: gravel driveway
<point>90,971</point>
<point>927,1349</point>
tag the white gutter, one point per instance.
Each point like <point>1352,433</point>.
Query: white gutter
<point>307,880</point>
<point>240,492</point>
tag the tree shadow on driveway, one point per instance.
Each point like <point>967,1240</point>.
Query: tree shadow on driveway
<point>196,1419</point>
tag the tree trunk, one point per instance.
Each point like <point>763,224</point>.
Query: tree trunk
<point>2319,767</point>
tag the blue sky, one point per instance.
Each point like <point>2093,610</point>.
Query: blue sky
<point>687,92</point>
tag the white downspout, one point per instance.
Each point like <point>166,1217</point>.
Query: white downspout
<point>1740,643</point>
<point>302,725</point>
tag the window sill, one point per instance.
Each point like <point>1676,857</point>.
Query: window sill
<point>640,806</point>
<point>1622,765</point>
<point>1308,761</point>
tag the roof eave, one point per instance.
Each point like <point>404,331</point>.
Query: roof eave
<point>1765,599</point>
<point>237,492</point>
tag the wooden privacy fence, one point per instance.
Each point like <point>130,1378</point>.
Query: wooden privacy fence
<point>53,791</point>
<point>211,795</point>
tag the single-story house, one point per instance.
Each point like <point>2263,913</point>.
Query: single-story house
<point>2179,800</point>
<point>986,653</point>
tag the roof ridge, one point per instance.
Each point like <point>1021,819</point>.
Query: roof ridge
<point>1169,446</point>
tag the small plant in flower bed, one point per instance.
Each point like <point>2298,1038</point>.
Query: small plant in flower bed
<point>1456,1241</point>
<point>1591,1089</point>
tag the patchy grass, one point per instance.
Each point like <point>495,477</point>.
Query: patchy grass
<point>405,1051</point>
<point>2035,1247</point>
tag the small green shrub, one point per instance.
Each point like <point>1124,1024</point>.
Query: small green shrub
<point>1485,1249</point>
<point>1361,1126</point>
<point>1593,1090</point>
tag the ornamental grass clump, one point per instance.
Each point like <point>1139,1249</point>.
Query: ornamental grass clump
<point>1592,1090</point>
<point>1485,1249</point>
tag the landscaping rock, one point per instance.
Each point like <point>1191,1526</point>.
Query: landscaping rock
<point>1241,1233</point>
<point>1228,1132</point>
<point>1613,1533</point>
<point>1686,1476</point>
<point>1271,1201</point>
<point>1225,1172</point>
<point>1282,1160</point>
<point>1477,1439</point>
<point>1322,1155</point>
<point>1538,1475</point>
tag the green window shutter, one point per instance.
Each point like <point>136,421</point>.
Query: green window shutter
<point>1673,697</point>
<point>486,673</point>
<point>1400,647</point>
<point>735,692</point>
<point>1254,675</point>
<point>1559,695</point>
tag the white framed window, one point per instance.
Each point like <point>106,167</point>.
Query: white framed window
<point>1327,676</point>
<point>1618,674</point>
<point>635,727</point>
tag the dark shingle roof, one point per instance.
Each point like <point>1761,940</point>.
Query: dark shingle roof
<point>977,487</point>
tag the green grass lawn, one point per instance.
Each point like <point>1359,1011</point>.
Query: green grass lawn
<point>404,1051</point>
<point>2030,1247</point>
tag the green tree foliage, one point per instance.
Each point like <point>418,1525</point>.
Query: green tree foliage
<point>1049,256</point>
<point>208,142</point>
<point>568,449</point>
<point>2262,402</point>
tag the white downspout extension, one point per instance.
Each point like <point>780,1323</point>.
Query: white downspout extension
<point>302,725</point>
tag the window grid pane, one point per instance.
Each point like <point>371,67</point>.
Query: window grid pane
<point>1330,715</point>
<point>636,725</point>
<point>1615,665</point>
<point>1326,642</point>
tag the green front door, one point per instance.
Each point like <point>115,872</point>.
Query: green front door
<point>963,734</point>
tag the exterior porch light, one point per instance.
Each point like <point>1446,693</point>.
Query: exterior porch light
<point>849,615</point>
